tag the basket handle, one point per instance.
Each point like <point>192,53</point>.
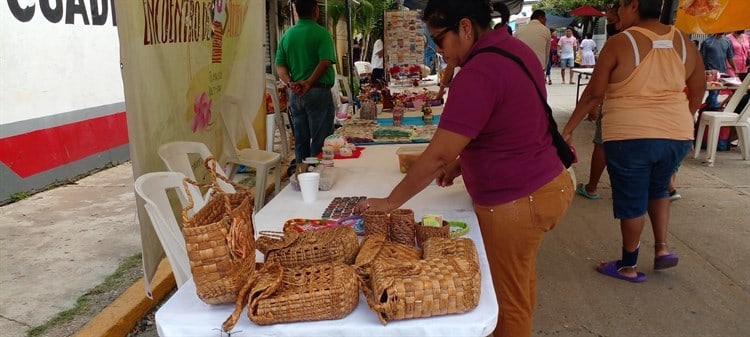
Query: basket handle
<point>274,273</point>
<point>242,299</point>
<point>255,290</point>
<point>191,202</point>
<point>211,164</point>
<point>376,307</point>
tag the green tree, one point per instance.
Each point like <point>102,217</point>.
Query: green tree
<point>561,7</point>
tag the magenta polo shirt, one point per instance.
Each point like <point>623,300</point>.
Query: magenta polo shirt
<point>493,102</point>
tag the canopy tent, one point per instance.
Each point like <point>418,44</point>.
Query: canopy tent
<point>707,17</point>
<point>586,11</point>
<point>554,21</point>
<point>514,5</point>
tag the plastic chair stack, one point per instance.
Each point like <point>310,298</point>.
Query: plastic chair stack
<point>153,189</point>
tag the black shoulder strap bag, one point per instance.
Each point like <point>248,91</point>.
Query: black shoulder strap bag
<point>563,149</point>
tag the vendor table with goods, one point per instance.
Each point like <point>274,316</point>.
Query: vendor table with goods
<point>374,174</point>
<point>409,115</point>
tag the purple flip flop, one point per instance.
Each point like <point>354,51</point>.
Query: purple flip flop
<point>667,261</point>
<point>610,269</point>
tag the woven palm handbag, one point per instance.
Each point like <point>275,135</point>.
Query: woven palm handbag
<point>279,295</point>
<point>294,249</point>
<point>423,288</point>
<point>219,240</point>
<point>442,247</point>
<point>376,247</point>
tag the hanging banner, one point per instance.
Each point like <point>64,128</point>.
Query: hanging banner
<point>179,59</point>
<point>712,16</point>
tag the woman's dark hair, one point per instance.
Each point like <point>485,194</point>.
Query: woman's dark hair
<point>447,13</point>
<point>588,35</point>
<point>647,9</point>
<point>305,8</point>
<point>504,12</point>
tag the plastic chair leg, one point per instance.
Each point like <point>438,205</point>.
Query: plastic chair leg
<point>282,133</point>
<point>713,142</point>
<point>260,187</point>
<point>277,176</point>
<point>743,133</point>
<point>699,139</point>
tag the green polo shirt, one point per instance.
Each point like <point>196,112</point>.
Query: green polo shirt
<point>302,47</point>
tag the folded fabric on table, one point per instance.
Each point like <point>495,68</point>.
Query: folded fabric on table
<point>414,120</point>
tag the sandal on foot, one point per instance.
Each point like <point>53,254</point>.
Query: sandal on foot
<point>666,261</point>
<point>610,269</point>
<point>580,189</point>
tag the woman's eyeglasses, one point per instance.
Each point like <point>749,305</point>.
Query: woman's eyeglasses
<point>439,37</point>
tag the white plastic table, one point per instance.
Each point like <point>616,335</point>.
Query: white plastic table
<point>374,174</point>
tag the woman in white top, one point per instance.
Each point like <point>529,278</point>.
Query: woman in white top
<point>588,47</point>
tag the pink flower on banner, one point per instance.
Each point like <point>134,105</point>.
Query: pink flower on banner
<point>219,5</point>
<point>202,109</point>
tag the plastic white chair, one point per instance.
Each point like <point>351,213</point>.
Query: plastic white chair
<point>279,123</point>
<point>341,81</point>
<point>262,161</point>
<point>364,70</point>
<point>363,67</point>
<point>714,120</point>
<point>176,156</point>
<point>153,189</point>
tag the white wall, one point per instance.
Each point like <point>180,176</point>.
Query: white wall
<point>49,68</point>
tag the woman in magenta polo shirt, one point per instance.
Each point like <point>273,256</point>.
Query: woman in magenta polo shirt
<point>493,132</point>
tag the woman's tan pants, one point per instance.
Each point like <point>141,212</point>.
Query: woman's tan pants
<point>512,233</point>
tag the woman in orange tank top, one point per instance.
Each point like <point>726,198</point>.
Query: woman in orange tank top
<point>646,125</point>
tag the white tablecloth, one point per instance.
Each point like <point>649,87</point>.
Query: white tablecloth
<point>374,174</point>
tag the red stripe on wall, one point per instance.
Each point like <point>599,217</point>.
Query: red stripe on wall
<point>41,150</point>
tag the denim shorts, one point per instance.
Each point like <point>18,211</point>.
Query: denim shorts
<point>640,171</point>
<point>566,62</point>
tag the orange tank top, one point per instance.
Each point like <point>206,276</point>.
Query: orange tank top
<point>651,102</point>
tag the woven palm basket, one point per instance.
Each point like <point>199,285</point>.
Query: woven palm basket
<point>279,295</point>
<point>442,247</point>
<point>376,247</point>
<point>294,249</point>
<point>425,232</point>
<point>376,223</point>
<point>402,226</point>
<point>424,288</point>
<point>220,243</point>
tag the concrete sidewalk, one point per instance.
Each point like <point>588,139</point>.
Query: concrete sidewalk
<point>58,244</point>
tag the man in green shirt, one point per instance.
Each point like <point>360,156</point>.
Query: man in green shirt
<point>303,61</point>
